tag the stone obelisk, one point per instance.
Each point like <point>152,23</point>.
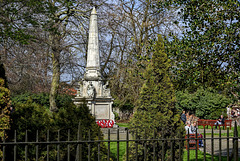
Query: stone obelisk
<point>92,88</point>
<point>93,60</point>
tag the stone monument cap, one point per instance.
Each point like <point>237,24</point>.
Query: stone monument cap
<point>94,12</point>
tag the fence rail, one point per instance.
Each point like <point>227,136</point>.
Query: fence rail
<point>80,147</point>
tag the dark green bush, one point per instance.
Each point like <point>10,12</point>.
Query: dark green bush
<point>69,118</point>
<point>42,99</point>
<point>31,116</point>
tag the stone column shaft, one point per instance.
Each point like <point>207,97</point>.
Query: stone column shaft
<point>93,58</point>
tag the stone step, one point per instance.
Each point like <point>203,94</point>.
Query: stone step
<point>114,130</point>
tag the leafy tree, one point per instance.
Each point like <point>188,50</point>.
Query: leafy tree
<point>205,103</point>
<point>207,52</point>
<point>156,108</point>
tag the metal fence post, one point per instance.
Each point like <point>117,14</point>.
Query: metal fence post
<point>163,148</point>
<point>228,144</point>
<point>15,146</point>
<point>47,145</point>
<point>58,146</point>
<point>235,142</point>
<point>79,145</point>
<point>4,155</point>
<point>204,146</point>
<point>154,145</point>
<point>26,146</point>
<point>180,147</point>
<point>68,145</point>
<point>89,145</point>
<point>145,148</point>
<point>37,145</point>
<point>212,144</point>
<point>108,144</point>
<point>197,145</point>
<point>172,152</point>
<point>136,144</point>
<point>99,157</point>
<point>118,144</point>
<point>127,146</point>
<point>188,145</point>
<point>220,145</point>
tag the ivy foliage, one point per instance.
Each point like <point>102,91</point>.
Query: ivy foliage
<point>205,103</point>
<point>30,115</point>
<point>156,108</point>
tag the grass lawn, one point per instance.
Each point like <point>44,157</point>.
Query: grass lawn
<point>113,149</point>
<point>123,125</point>
<point>192,155</point>
<point>209,127</point>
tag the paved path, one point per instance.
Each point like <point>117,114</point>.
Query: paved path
<point>224,141</point>
<point>217,147</point>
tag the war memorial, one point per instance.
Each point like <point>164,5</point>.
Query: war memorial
<point>92,89</point>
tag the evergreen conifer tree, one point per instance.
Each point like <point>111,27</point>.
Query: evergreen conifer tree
<point>156,113</point>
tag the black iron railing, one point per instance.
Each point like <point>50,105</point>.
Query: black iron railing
<point>88,144</point>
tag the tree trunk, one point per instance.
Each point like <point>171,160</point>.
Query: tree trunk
<point>55,75</point>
